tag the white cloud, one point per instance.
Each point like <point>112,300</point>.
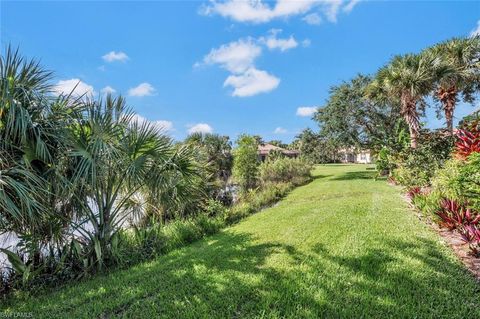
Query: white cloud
<point>349,7</point>
<point>236,56</point>
<point>306,43</point>
<point>113,56</point>
<point>160,125</point>
<point>306,111</point>
<point>280,130</point>
<point>330,9</point>
<point>74,86</point>
<point>476,31</point>
<point>272,42</point>
<point>261,11</point>
<point>108,90</point>
<point>312,18</point>
<point>257,11</point>
<point>200,128</point>
<point>252,82</point>
<point>143,89</point>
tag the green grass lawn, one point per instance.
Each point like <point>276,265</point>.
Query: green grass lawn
<point>343,246</point>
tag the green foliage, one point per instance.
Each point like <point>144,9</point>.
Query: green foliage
<point>255,200</point>
<point>470,180</point>
<point>406,81</point>
<point>293,170</point>
<point>351,120</point>
<point>214,208</point>
<point>245,163</point>
<point>416,167</point>
<point>315,148</point>
<point>215,153</point>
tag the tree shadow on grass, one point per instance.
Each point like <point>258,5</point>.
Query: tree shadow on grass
<point>315,177</point>
<point>232,276</point>
<point>355,175</point>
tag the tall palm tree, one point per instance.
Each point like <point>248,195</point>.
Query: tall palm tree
<point>458,72</point>
<point>408,78</point>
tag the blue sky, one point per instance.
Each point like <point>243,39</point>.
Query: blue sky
<point>227,66</point>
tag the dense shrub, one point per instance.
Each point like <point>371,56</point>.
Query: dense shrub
<point>416,167</point>
<point>292,170</point>
<point>245,162</point>
<point>469,180</point>
<point>255,200</point>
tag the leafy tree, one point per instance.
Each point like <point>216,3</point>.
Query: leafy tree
<point>258,139</point>
<point>457,73</point>
<point>215,151</point>
<point>245,162</point>
<point>315,148</point>
<point>349,119</point>
<point>408,79</point>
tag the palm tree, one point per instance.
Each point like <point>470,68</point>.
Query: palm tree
<point>33,131</point>
<point>116,160</point>
<point>408,79</point>
<point>457,72</point>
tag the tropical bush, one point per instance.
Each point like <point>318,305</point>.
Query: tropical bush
<point>417,166</point>
<point>245,163</point>
<point>75,172</point>
<point>293,170</point>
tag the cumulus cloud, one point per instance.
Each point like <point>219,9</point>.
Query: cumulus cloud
<point>476,31</point>
<point>203,128</point>
<point>236,56</point>
<point>75,86</point>
<point>252,82</point>
<point>108,90</point>
<point>161,125</point>
<point>113,56</point>
<point>306,111</point>
<point>143,89</point>
<point>280,130</point>
<point>312,18</point>
<point>272,42</point>
<point>257,11</point>
<point>261,11</point>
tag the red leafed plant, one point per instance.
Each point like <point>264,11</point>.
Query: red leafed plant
<point>414,191</point>
<point>471,235</point>
<point>453,215</point>
<point>468,141</point>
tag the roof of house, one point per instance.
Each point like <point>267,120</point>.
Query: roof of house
<point>264,149</point>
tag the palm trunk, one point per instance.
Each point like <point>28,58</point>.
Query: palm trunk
<point>413,139</point>
<point>448,98</point>
<point>410,114</point>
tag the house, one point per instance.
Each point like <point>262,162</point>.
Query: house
<point>352,155</point>
<point>265,149</point>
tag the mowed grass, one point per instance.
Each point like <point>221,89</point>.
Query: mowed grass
<point>343,246</point>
